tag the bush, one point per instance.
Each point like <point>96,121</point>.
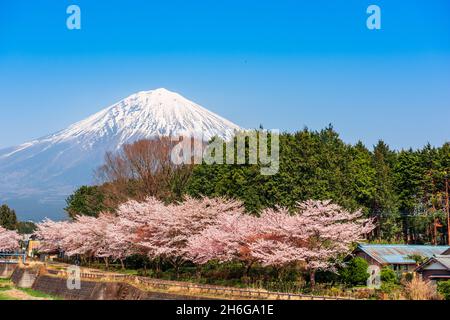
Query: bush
<point>387,275</point>
<point>326,277</point>
<point>409,276</point>
<point>355,273</point>
<point>390,291</point>
<point>137,261</point>
<point>443,287</point>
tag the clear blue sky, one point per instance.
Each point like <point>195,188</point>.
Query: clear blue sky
<point>283,64</point>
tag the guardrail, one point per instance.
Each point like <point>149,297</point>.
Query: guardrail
<point>198,288</point>
<point>12,258</point>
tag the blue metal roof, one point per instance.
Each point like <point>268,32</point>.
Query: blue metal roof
<point>397,253</point>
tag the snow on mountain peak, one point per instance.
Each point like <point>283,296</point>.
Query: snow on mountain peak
<point>148,114</point>
<point>60,162</point>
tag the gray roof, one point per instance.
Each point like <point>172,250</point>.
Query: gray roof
<point>397,253</point>
<point>444,260</point>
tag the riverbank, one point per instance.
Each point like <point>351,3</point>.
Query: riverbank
<point>100,285</point>
<point>8,291</point>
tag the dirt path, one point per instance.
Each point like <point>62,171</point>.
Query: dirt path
<point>20,295</point>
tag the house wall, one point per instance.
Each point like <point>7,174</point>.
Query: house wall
<point>368,258</point>
<point>405,267</point>
<point>433,266</point>
<point>426,274</point>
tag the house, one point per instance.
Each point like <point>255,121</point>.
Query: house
<point>396,255</point>
<point>435,268</point>
<point>31,244</point>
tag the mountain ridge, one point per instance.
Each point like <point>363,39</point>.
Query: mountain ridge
<point>51,167</point>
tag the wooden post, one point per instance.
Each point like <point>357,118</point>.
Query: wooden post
<point>435,231</point>
<point>448,209</point>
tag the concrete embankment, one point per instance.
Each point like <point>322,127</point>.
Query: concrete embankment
<point>98,290</point>
<point>24,277</point>
<point>6,270</point>
<point>37,279</point>
<point>100,285</point>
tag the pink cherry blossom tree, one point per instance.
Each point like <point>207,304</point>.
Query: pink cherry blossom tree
<point>103,237</point>
<point>167,229</point>
<point>52,234</point>
<point>119,241</point>
<point>89,237</point>
<point>230,238</point>
<point>318,234</point>
<point>329,231</point>
<point>9,240</point>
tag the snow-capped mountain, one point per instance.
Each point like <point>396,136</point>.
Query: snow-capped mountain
<point>51,167</point>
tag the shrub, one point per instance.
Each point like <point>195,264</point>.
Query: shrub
<point>443,287</point>
<point>418,259</point>
<point>387,275</point>
<point>409,276</point>
<point>392,290</point>
<point>355,272</point>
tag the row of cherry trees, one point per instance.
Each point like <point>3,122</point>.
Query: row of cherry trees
<point>9,240</point>
<point>202,230</point>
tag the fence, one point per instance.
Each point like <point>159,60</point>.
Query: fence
<point>209,290</point>
<point>12,258</point>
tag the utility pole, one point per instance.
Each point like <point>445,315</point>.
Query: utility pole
<point>435,224</point>
<point>448,209</point>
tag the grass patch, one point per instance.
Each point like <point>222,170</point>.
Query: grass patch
<point>4,296</point>
<point>38,294</point>
<point>5,284</point>
<point>129,272</point>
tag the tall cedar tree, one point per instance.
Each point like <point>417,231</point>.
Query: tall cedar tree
<point>8,218</point>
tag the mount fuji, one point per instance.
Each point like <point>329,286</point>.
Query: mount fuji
<point>37,176</point>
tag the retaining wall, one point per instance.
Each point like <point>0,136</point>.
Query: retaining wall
<point>24,277</point>
<point>94,290</point>
<point>89,290</point>
<point>6,270</point>
<point>101,286</point>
